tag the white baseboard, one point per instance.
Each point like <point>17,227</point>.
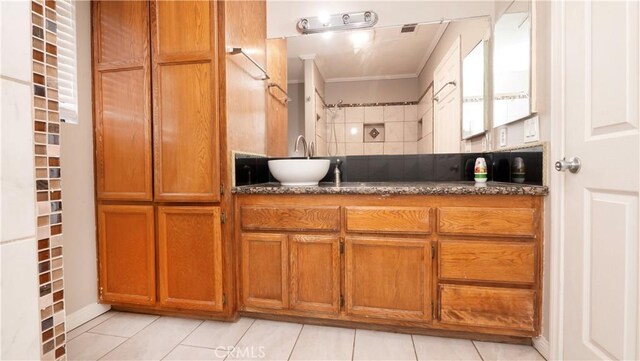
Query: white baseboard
<point>85,314</point>
<point>542,345</point>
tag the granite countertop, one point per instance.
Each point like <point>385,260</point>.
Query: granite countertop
<point>379,188</point>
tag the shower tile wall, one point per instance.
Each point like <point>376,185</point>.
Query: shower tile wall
<point>425,114</point>
<point>397,124</point>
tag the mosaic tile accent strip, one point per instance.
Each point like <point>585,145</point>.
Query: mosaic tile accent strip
<point>46,119</point>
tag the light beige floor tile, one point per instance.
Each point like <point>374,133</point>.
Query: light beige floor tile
<point>491,351</point>
<point>155,341</point>
<point>90,324</point>
<point>90,346</point>
<point>267,340</point>
<point>441,348</point>
<point>124,324</point>
<point>375,345</point>
<point>214,334</point>
<point>324,343</point>
<point>182,352</point>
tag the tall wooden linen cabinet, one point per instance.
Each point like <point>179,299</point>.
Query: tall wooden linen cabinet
<point>157,155</point>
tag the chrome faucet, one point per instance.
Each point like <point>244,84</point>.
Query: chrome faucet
<point>312,150</point>
<point>307,151</point>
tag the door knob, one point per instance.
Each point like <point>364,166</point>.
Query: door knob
<point>571,164</point>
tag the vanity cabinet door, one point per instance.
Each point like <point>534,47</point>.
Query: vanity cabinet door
<point>315,273</point>
<point>122,100</point>
<point>190,257</point>
<point>388,278</point>
<point>185,94</point>
<point>126,254</point>
<point>264,268</point>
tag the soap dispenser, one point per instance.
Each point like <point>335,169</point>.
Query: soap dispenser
<point>336,172</point>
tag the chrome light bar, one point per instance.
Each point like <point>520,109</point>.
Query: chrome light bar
<point>336,22</point>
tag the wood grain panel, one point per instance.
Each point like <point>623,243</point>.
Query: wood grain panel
<point>184,27</point>
<point>187,162</point>
<point>487,221</point>
<point>487,261</point>
<point>290,218</point>
<point>245,27</point>
<point>185,89</point>
<point>264,270</point>
<point>123,136</point>
<point>487,307</point>
<point>122,100</point>
<point>388,219</point>
<point>121,32</point>
<point>190,257</point>
<point>388,278</point>
<point>126,254</point>
<point>315,273</point>
<point>277,108</point>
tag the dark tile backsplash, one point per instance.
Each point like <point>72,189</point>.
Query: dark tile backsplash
<point>252,169</point>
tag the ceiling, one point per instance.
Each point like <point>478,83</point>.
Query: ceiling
<point>388,54</point>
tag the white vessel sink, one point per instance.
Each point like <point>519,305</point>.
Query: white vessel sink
<point>299,172</point>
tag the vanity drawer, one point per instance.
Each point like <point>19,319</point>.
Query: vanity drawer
<point>388,219</point>
<point>481,221</point>
<point>504,308</point>
<point>290,218</point>
<point>487,261</point>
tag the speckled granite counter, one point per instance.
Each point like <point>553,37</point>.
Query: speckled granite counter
<point>490,188</point>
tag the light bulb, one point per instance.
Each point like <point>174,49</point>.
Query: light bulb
<point>324,18</point>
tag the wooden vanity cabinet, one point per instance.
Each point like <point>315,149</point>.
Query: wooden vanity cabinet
<point>265,270</point>
<point>122,100</point>
<point>299,272</point>
<point>290,258</point>
<point>157,87</point>
<point>126,250</point>
<point>314,273</point>
<point>190,257</point>
<point>388,277</point>
<point>185,100</point>
<point>444,264</point>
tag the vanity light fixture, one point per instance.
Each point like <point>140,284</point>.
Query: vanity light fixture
<point>345,21</point>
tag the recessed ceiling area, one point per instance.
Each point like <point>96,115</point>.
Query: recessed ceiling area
<point>379,53</point>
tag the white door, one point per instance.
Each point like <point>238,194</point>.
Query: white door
<point>599,223</point>
<point>447,102</point>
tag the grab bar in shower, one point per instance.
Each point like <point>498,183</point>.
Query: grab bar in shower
<point>435,96</point>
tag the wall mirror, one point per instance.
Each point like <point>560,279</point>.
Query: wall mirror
<point>512,64</point>
<point>474,88</point>
<point>387,90</point>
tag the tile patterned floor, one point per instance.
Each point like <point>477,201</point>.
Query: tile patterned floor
<point>130,336</point>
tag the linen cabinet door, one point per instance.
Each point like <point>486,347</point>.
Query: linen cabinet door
<point>264,258</point>
<point>315,273</point>
<point>185,93</point>
<point>190,257</point>
<point>388,278</point>
<point>122,98</point>
<point>127,254</point>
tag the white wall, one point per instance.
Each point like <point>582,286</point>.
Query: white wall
<point>19,311</point>
<point>372,91</point>
<point>80,254</point>
<point>282,16</point>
